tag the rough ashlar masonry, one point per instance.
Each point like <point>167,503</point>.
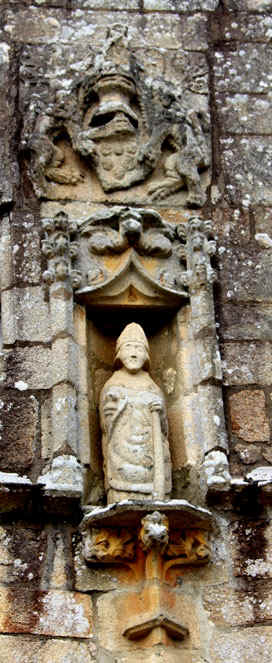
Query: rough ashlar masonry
<point>135,187</point>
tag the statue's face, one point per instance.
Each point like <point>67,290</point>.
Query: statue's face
<point>133,356</point>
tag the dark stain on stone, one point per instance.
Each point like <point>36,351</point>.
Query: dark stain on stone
<point>27,548</point>
<point>19,414</point>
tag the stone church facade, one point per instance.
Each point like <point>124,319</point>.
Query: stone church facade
<point>136,310</point>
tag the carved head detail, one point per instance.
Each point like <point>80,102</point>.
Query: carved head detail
<point>132,349</point>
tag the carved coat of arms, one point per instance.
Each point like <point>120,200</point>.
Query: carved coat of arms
<point>125,129</point>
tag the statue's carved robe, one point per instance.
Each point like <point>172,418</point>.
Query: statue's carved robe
<point>126,421</point>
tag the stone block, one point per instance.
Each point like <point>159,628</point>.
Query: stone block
<point>64,479</point>
<point>246,166</point>
<point>56,613</point>
<point>104,4</point>
<point>46,427</point>
<point>249,27</point>
<point>90,578</point>
<point>248,416</point>
<point>6,254</point>
<point>156,653</point>
<point>64,419</point>
<point>49,26</point>
<point>228,607</point>
<point>250,544</point>
<point>263,221</point>
<point>33,25</point>
<point>249,454</point>
<point>30,368</point>
<point>8,166</point>
<point>19,415</point>
<point>65,361</point>
<point>58,574</point>
<point>230,225</point>
<point>245,274</point>
<point>246,68</point>
<point>24,315</point>
<point>240,321</point>
<point>241,645</point>
<point>247,5</point>
<point>183,5</point>
<point>27,649</point>
<point>118,610</point>
<point>247,363</point>
<point>26,253</point>
<point>244,114</point>
<point>61,316</point>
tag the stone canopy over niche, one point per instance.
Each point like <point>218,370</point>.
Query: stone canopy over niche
<point>118,133</point>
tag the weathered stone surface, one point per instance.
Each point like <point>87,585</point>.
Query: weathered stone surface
<point>61,316</point>
<point>64,478</point>
<point>33,25</point>
<point>19,430</point>
<point>230,225</point>
<point>250,645</point>
<point>25,234</point>
<point>247,170</point>
<point>248,416</point>
<point>50,25</point>
<point>65,358</point>
<point>42,650</point>
<point>8,166</point>
<point>30,368</point>
<point>250,547</point>
<point>22,554</point>
<point>6,253</point>
<point>248,454</point>
<point>250,5</point>
<point>245,273</point>
<point>229,607</point>
<point>57,613</point>
<point>183,5</point>
<point>231,66</point>
<point>24,315</point>
<point>128,606</point>
<point>58,574</point>
<point>64,419</point>
<point>263,221</point>
<point>247,363</point>
<point>167,654</point>
<point>240,321</point>
<point>249,27</point>
<point>104,4</point>
<point>243,113</point>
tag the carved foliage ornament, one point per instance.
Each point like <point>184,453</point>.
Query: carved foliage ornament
<point>123,126</point>
<point>178,547</point>
<point>61,249</point>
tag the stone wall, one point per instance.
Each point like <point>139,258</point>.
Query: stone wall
<point>53,606</point>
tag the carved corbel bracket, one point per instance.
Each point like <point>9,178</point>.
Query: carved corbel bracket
<point>151,539</point>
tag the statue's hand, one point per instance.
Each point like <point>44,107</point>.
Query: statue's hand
<point>156,405</point>
<point>110,405</point>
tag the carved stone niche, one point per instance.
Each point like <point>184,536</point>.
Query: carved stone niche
<point>117,130</point>
<point>155,442</point>
<point>129,265</point>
